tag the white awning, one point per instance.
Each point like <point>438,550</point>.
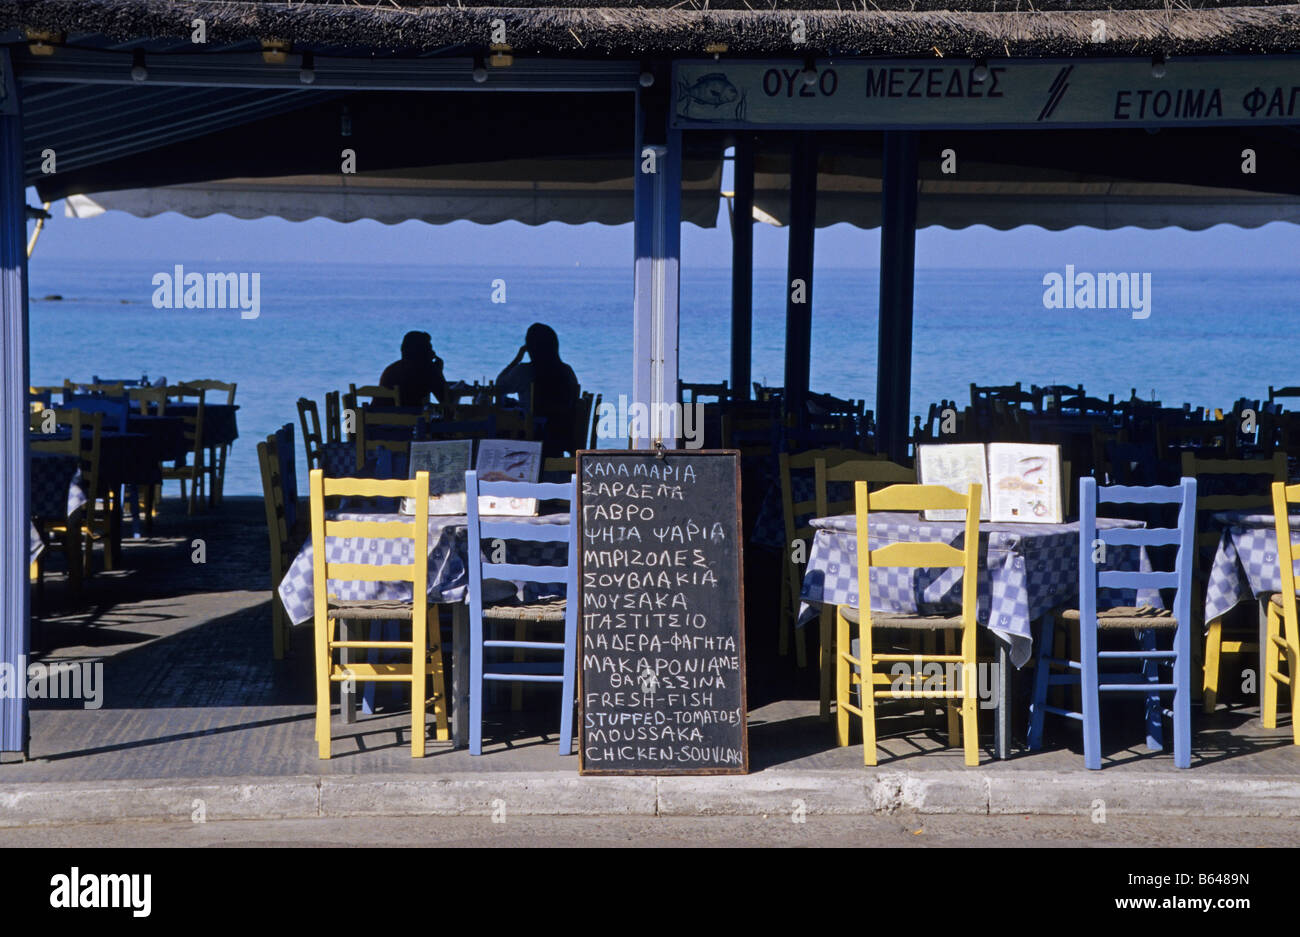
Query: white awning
<point>529,191</point>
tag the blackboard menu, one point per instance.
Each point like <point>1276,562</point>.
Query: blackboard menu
<point>662,668</point>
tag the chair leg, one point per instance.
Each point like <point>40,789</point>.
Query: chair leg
<point>868,670</point>
<point>787,618</point>
<point>1154,707</point>
<point>419,679</point>
<point>475,685</point>
<point>1213,642</point>
<point>1091,696</point>
<point>323,687</point>
<point>843,679</point>
<point>1183,696</point>
<point>970,695</point>
<point>1042,671</point>
<point>827,652</point>
<point>568,689</point>
<point>800,648</point>
<point>277,629</point>
<point>1268,686</point>
<point>953,706</point>
<point>436,669</point>
<point>517,690</point>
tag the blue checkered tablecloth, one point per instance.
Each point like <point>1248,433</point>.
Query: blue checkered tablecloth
<point>448,574</point>
<point>339,459</point>
<point>1245,565</point>
<point>57,486</point>
<point>1029,570</point>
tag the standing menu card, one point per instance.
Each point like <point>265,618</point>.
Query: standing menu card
<point>956,466</point>
<point>446,461</point>
<point>508,460</point>
<point>1022,481</point>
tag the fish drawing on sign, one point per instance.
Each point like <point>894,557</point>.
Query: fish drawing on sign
<point>711,97</point>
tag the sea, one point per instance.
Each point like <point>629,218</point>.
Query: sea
<point>1209,336</point>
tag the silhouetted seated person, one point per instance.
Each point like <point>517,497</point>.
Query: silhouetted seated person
<point>419,372</point>
<point>554,386</point>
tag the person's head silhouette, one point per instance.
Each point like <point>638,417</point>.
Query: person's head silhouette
<point>542,343</point>
<point>417,346</point>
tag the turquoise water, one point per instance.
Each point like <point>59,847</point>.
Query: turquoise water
<point>1212,336</point>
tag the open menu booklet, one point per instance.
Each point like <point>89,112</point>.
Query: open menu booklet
<point>447,461</point>
<point>1021,481</point>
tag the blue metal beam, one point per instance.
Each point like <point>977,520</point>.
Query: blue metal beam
<point>14,502</point>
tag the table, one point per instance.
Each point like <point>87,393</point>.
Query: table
<point>1245,566</point>
<point>448,580</point>
<point>1028,571</point>
<point>220,426</point>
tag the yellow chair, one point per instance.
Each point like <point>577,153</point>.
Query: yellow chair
<point>217,455</point>
<point>281,543</point>
<point>184,471</point>
<point>959,689</point>
<point>845,467</point>
<point>787,464</point>
<point>1283,632</point>
<point>426,652</point>
<point>1207,540</point>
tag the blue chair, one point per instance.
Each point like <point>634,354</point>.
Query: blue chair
<point>288,475</point>
<point>1145,621</point>
<point>483,531</point>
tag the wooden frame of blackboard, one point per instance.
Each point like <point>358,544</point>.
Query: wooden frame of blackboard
<point>740,588</point>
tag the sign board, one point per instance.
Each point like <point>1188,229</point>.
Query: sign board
<point>948,93</point>
<point>662,652</point>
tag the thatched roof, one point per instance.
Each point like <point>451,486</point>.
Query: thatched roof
<point>687,28</point>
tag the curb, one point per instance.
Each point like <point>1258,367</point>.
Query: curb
<point>562,794</point>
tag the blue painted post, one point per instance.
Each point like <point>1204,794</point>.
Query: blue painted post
<point>1090,679</point>
<point>897,269</point>
<point>14,501</point>
<point>657,193</point>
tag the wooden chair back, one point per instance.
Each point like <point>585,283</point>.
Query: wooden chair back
<point>389,396</point>
<point>367,440</point>
<point>309,420</point>
<point>206,385</point>
<point>151,401</point>
<point>333,417</point>
<point>868,471</point>
<point>277,528</point>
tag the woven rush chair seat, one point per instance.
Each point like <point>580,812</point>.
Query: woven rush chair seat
<point>1127,616</point>
<point>1276,599</point>
<point>374,609</point>
<point>905,621</point>
<point>539,611</point>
